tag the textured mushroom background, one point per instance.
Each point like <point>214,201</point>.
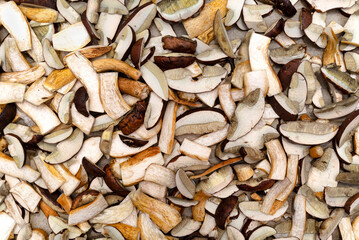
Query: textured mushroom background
<point>179,119</point>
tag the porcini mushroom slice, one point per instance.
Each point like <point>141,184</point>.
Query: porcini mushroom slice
<point>58,78</point>
<point>9,167</point>
<point>11,92</point>
<point>347,128</point>
<point>211,56</point>
<point>113,7</point>
<point>200,120</point>
<point>216,181</point>
<point>155,79</point>
<point>7,223</point>
<point>253,19</point>
<point>42,115</point>
<point>148,228</point>
<point>252,211</point>
<point>166,138</point>
<point>16,24</point>
<point>179,44</point>
<point>186,227</point>
<point>84,71</point>
<point>67,11</point>
<point>297,91</point>
<point>351,205</point>
<point>37,94</point>
<point>314,206</point>
<point>174,60</point>
<point>16,149</point>
<point>246,115</point>
<point>87,211</point>
<point>178,10</point>
<point>285,55</point>
<point>67,148</point>
<point>292,29</point>
<point>164,216</point>
<point>262,232</point>
<point>71,38</point>
<point>341,80</point>
<point>26,196</point>
<point>323,6</point>
<point>184,185</point>
<point>284,107</point>
<point>25,77</point>
<point>125,40</point>
<point>50,55</point>
<point>258,55</point>
<point>328,226</point>
<point>224,210</point>
<point>278,159</point>
<point>111,97</point>
<point>309,133</point>
<point>64,108</point>
<point>351,60</point>
<point>153,110</point>
<point>221,35</point>
<point>338,109</point>
<point>234,11</point>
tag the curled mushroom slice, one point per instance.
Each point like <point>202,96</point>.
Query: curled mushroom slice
<point>309,133</point>
<point>178,10</point>
<point>252,211</point>
<point>174,60</point>
<point>347,128</point>
<point>25,77</point>
<point>184,185</point>
<point>179,44</point>
<point>284,107</point>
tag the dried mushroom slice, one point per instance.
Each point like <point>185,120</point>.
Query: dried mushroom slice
<point>178,10</point>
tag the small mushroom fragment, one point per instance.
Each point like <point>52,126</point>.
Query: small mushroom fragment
<point>258,55</point>
<point>342,80</point>
<point>178,10</point>
<point>253,106</point>
<point>216,181</point>
<point>50,55</point>
<point>253,19</point>
<point>292,29</point>
<point>297,91</point>
<point>64,108</point>
<point>275,29</point>
<point>164,216</point>
<point>195,150</point>
<point>286,72</point>
<point>286,7</point>
<point>155,79</point>
<point>351,60</point>
<point>67,11</point>
<point>125,40</point>
<point>309,133</point>
<point>148,228</point>
<point>272,194</point>
<point>16,24</point>
<point>285,55</point>
<point>16,149</point>
<point>351,205</point>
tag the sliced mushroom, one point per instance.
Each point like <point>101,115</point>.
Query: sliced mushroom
<point>155,79</point>
<point>50,55</point>
<point>16,149</point>
<point>284,107</point>
<point>252,211</point>
<point>347,128</point>
<point>7,223</point>
<point>71,38</point>
<point>328,226</point>
<point>9,167</point>
<point>216,181</point>
<point>234,11</point>
<point>166,139</point>
<point>178,10</point>
<point>314,206</point>
<point>169,61</point>
<point>25,77</point>
<point>285,55</point>
<point>342,80</point>
<point>293,29</point>
<point>12,92</point>
<point>323,6</point>
<point>338,109</point>
<point>221,35</point>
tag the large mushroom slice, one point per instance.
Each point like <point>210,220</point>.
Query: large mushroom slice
<point>178,10</point>
<point>16,24</point>
<point>11,92</point>
<point>234,11</point>
<point>323,6</point>
<point>71,38</point>
<point>347,128</point>
<point>258,56</point>
<point>82,68</point>
<point>253,211</point>
<point>309,133</point>
<point>246,115</point>
<point>338,109</point>
<point>200,121</point>
<point>341,80</point>
<point>155,79</point>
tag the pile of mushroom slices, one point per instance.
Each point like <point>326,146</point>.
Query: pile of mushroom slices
<point>115,126</point>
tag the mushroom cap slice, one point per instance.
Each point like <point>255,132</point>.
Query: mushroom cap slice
<point>323,6</point>
<point>309,133</point>
<point>178,10</point>
<point>71,38</point>
<point>246,115</point>
<point>155,79</point>
<point>252,211</point>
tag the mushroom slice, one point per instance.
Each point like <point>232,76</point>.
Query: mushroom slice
<point>211,56</point>
<point>278,159</point>
<point>346,228</point>
<point>186,227</point>
<point>7,225</point>
<point>284,107</point>
<point>67,11</point>
<point>16,149</point>
<point>314,206</point>
<point>187,163</point>
<point>155,79</point>
<point>181,79</point>
<point>253,19</point>
<point>329,225</point>
<point>261,232</point>
<point>113,7</point>
<point>178,10</point>
<point>200,121</point>
<point>67,148</point>
<point>26,196</point>
<point>234,11</point>
<point>179,44</point>
<point>224,210</point>
<point>80,121</point>
<point>309,133</point>
<point>12,92</point>
<point>182,202</point>
<point>351,60</point>
<point>221,35</point>
<point>87,211</point>
<point>297,91</point>
<point>285,55</point>
<point>164,216</point>
<point>125,41</point>
<point>133,170</point>
<point>25,77</point>
<point>8,166</point>
<point>348,177</point>
<point>42,115</point>
<point>351,205</point>
<point>338,109</point>
<point>272,194</point>
<point>253,106</point>
<point>338,196</point>
<point>169,61</point>
<point>258,55</point>
<point>341,80</point>
<point>16,24</point>
<point>64,108</point>
<point>166,138</point>
<point>286,72</point>
<point>216,181</point>
<point>50,55</point>
<point>184,185</point>
<point>252,211</point>
<point>37,94</point>
<point>155,170</point>
<point>85,72</point>
<point>153,111</point>
<point>326,167</point>
<point>292,29</point>
<point>110,95</point>
<point>323,6</point>
<point>299,217</point>
<point>347,128</point>
<point>148,228</point>
<point>71,38</point>
<point>58,78</point>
